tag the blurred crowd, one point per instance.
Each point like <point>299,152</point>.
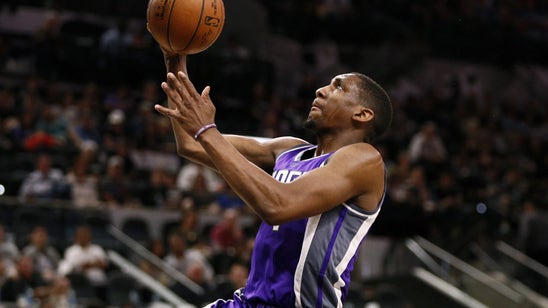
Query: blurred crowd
<point>215,262</point>
<point>466,155</point>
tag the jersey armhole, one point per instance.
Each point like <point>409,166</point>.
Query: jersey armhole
<point>304,145</point>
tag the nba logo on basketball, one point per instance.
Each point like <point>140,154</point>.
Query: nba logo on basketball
<point>212,21</point>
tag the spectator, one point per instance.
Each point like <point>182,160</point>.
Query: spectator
<point>199,181</point>
<point>26,280</point>
<point>195,271</point>
<point>86,257</point>
<point>199,252</point>
<point>119,100</point>
<point>52,125</point>
<point>532,235</point>
<point>87,130</point>
<point>176,252</point>
<point>114,41</point>
<point>114,133</point>
<point>45,257</point>
<point>114,187</point>
<point>20,129</point>
<point>227,234</point>
<point>45,182</point>
<point>159,191</point>
<point>533,241</point>
<point>188,226</point>
<point>236,279</point>
<point>446,191</point>
<point>83,185</point>
<point>227,198</point>
<point>180,255</point>
<point>59,294</point>
<point>156,247</point>
<point>410,197</point>
<point>9,252</point>
<point>428,149</point>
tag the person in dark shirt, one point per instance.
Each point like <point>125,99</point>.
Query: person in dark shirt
<point>25,279</point>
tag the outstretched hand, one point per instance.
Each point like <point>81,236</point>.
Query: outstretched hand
<point>192,110</point>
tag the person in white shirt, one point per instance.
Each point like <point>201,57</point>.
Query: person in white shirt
<point>85,257</point>
<point>45,182</point>
<point>84,186</point>
<point>193,176</point>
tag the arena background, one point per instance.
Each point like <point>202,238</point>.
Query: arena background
<point>464,221</point>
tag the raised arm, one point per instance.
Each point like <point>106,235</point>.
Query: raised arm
<point>260,153</point>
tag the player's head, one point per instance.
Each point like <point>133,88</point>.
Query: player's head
<point>355,99</point>
<point>375,97</point>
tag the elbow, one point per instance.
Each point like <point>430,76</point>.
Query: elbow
<point>273,214</point>
<point>272,221</point>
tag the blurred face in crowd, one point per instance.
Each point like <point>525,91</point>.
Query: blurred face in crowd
<point>43,164</point>
<point>24,267</point>
<point>157,248</point>
<point>176,244</point>
<point>238,275</point>
<point>230,218</point>
<point>196,272</point>
<point>83,236</point>
<point>39,237</point>
<point>430,130</point>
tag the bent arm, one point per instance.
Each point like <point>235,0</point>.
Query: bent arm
<point>354,172</point>
<point>259,152</point>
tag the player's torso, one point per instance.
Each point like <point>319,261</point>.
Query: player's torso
<point>305,263</point>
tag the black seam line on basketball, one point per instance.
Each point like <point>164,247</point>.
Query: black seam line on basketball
<point>197,26</point>
<point>169,25</point>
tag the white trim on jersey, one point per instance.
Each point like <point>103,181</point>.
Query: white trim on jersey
<point>309,233</point>
<point>350,252</point>
<point>355,211</point>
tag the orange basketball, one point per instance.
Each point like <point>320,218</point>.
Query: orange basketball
<point>185,26</point>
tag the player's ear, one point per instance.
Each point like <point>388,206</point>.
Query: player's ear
<point>363,114</point>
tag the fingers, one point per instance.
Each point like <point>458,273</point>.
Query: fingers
<point>205,93</point>
<point>191,90</point>
<point>172,94</point>
<point>179,87</point>
<point>182,94</point>
<point>163,110</point>
<point>167,112</point>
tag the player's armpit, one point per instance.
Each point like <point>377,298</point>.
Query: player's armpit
<point>262,151</point>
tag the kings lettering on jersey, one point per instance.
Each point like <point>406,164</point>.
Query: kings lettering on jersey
<point>286,176</point>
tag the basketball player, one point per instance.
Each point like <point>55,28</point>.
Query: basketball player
<point>320,200</point>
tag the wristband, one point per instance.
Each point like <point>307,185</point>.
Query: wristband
<point>203,129</point>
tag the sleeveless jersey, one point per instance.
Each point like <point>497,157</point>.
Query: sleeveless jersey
<point>306,263</point>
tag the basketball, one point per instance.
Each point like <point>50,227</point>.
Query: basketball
<point>185,26</point>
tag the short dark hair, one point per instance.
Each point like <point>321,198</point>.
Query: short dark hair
<point>375,97</point>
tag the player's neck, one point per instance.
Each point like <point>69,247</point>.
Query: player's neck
<point>328,143</point>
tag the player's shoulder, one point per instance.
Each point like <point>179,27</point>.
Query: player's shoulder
<point>359,154</point>
<point>282,144</point>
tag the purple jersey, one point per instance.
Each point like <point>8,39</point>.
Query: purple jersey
<point>305,263</point>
